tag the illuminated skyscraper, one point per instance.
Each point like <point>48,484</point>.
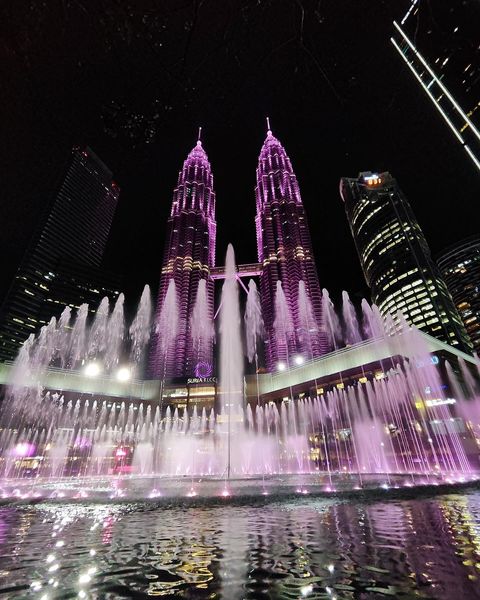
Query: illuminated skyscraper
<point>188,257</point>
<point>285,252</point>
<point>396,259</point>
<point>62,266</point>
<point>460,268</point>
<point>439,43</point>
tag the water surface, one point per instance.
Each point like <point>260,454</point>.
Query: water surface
<point>303,548</point>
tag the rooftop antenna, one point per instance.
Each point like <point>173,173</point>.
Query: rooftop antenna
<point>268,125</point>
<point>199,138</point>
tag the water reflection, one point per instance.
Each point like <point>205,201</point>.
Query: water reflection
<point>308,548</point>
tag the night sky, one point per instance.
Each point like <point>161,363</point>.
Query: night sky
<point>135,80</point>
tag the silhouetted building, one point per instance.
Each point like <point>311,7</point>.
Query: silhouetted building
<point>439,43</point>
<point>286,255</point>
<point>62,265</point>
<point>396,259</point>
<point>460,268</point>
<point>188,257</point>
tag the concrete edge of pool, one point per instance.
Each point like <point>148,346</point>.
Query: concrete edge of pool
<point>237,497</point>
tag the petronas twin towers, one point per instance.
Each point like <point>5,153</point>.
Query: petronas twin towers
<point>290,293</point>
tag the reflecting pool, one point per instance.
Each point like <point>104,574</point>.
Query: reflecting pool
<point>301,548</point>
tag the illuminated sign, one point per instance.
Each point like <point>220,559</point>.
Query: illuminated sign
<point>203,369</point>
<point>433,359</point>
<point>440,401</point>
<point>202,380</point>
<point>432,402</point>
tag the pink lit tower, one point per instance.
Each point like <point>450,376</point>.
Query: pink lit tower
<point>189,255</point>
<point>290,292</point>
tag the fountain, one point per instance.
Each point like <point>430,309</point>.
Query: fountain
<point>77,419</point>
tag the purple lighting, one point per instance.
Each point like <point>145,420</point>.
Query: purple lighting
<point>289,277</point>
<point>23,450</point>
<point>203,369</point>
<point>189,255</point>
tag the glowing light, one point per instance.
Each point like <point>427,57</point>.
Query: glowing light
<point>440,401</point>
<point>330,568</point>
<point>225,493</point>
<point>306,590</point>
<point>124,374</point>
<point>281,366</point>
<point>120,452</point>
<point>299,360</point>
<point>24,449</point>
<point>92,369</point>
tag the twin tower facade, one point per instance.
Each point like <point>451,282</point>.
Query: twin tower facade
<point>286,266</point>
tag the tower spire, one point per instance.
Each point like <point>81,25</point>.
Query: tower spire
<point>268,126</point>
<point>199,138</point>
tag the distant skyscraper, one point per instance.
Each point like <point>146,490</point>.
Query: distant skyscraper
<point>189,255</point>
<point>396,259</point>
<point>439,43</point>
<point>62,264</point>
<point>460,268</point>
<point>285,252</point>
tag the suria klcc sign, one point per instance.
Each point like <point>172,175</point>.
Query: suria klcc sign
<point>201,380</point>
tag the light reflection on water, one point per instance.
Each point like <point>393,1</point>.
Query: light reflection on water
<point>306,548</point>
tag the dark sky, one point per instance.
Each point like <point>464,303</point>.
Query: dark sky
<point>135,80</point>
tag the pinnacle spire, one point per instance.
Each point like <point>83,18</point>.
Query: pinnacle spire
<point>199,138</point>
<point>269,131</point>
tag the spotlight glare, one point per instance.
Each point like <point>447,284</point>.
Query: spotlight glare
<point>299,360</point>
<point>92,369</point>
<point>123,374</point>
<point>281,366</point>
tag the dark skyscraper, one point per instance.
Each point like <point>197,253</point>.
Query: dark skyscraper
<point>439,43</point>
<point>460,268</point>
<point>188,258</point>
<point>62,264</point>
<point>285,253</point>
<point>396,259</point>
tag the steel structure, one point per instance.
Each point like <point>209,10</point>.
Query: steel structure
<point>189,257</point>
<point>285,252</point>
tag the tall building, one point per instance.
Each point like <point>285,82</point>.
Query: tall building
<point>396,259</point>
<point>188,257</point>
<point>62,265</point>
<point>439,43</point>
<point>460,268</point>
<point>285,253</point>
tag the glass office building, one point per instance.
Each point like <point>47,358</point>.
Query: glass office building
<point>439,43</point>
<point>62,265</point>
<point>460,268</point>
<point>396,259</point>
